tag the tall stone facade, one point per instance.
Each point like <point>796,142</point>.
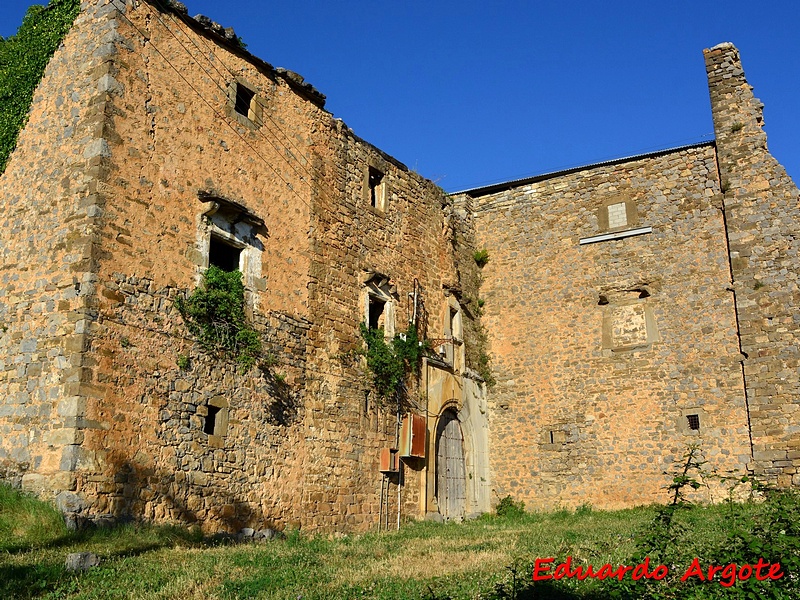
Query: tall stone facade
<point>642,306</point>
<point>156,146</point>
<point>172,149</point>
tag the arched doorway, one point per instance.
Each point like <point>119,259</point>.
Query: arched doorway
<point>450,469</point>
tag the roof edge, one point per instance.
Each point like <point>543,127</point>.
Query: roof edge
<point>226,37</point>
<point>507,185</point>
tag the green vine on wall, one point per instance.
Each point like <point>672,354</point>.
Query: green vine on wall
<point>23,58</point>
<point>391,362</point>
<point>214,314</point>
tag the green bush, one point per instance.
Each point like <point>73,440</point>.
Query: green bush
<point>23,58</point>
<point>508,507</point>
<point>391,362</point>
<point>214,313</point>
<point>481,257</point>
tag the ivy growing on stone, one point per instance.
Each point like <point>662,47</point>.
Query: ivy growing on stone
<point>23,58</point>
<point>214,314</point>
<point>391,362</point>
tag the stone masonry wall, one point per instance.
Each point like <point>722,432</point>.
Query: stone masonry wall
<point>602,350</point>
<point>51,190</point>
<point>153,459</point>
<point>173,139</point>
<point>762,211</point>
<point>409,240</point>
<point>299,438</point>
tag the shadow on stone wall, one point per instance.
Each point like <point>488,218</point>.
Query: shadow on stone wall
<point>132,492</point>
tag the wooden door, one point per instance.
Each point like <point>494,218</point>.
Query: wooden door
<point>450,470</point>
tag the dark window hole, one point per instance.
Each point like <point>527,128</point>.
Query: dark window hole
<point>376,307</point>
<point>223,255</point>
<point>375,178</point>
<point>211,420</point>
<point>243,99</point>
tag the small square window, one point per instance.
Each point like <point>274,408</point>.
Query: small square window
<point>216,416</point>
<point>694,422</point>
<point>244,104</point>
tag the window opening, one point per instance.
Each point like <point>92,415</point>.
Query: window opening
<point>375,188</point>
<point>211,419</point>
<point>552,437</point>
<point>223,255</point>
<point>244,98</point>
<point>694,422</point>
<point>376,307</point>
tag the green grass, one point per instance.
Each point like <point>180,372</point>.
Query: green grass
<point>476,559</point>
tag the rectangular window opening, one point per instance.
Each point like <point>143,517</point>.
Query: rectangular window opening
<point>211,419</point>
<point>376,308</point>
<point>244,97</point>
<point>552,437</point>
<point>375,188</point>
<point>224,255</point>
<point>694,422</point>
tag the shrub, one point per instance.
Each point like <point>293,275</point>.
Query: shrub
<point>214,313</point>
<point>391,362</point>
<point>481,257</point>
<point>508,507</point>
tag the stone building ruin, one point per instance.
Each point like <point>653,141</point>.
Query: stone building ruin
<point>630,308</point>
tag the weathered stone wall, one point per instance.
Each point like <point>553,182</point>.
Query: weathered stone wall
<point>301,436</point>
<point>602,349</point>
<point>279,463</point>
<point>150,456</point>
<point>762,211</point>
<point>50,192</point>
<point>410,240</point>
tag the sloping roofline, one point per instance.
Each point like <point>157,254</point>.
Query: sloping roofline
<point>507,185</point>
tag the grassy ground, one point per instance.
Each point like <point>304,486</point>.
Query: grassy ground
<point>424,560</point>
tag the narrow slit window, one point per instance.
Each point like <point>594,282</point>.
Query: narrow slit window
<point>211,419</point>
<point>244,99</point>
<point>375,182</point>
<point>552,437</point>
<point>694,422</point>
<point>223,255</point>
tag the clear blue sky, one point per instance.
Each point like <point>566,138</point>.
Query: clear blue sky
<point>470,93</point>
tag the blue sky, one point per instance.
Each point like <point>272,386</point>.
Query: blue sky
<point>470,93</point>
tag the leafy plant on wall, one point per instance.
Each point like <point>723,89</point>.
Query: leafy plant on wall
<point>214,314</point>
<point>391,362</point>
